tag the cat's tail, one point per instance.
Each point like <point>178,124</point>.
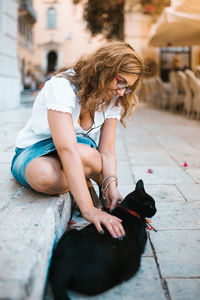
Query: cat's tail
<point>59,283</point>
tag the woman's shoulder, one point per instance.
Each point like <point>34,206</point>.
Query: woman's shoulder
<point>61,84</point>
<point>66,74</point>
<point>58,94</point>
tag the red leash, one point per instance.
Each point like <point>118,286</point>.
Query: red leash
<point>134,213</point>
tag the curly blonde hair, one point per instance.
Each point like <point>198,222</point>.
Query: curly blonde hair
<point>92,75</point>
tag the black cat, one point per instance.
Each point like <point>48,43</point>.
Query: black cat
<point>90,263</point>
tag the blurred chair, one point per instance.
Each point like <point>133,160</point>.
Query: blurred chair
<point>143,92</point>
<point>195,88</point>
<point>155,92</point>
<point>174,90</point>
<point>187,95</point>
<point>176,98</point>
<point>164,93</point>
<point>147,90</point>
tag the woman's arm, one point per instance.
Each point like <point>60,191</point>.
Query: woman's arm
<point>64,137</point>
<point>107,150</point>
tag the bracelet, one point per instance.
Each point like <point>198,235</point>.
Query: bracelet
<point>106,178</point>
<point>105,189</point>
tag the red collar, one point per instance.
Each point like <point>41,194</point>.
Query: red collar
<point>134,213</point>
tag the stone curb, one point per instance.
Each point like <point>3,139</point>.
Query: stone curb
<point>31,224</point>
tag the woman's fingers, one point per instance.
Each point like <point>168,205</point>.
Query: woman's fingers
<point>114,226</point>
<point>112,223</point>
<point>98,227</point>
<point>115,202</point>
<point>116,229</point>
<point>113,198</point>
<point>112,206</point>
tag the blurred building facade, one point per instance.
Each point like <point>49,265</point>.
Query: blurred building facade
<point>39,36</point>
<point>26,20</point>
<point>137,31</point>
<point>60,35</point>
<point>9,70</point>
<point>137,27</point>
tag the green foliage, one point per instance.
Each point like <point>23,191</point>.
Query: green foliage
<point>105,17</point>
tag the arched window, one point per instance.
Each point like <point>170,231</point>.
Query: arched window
<point>51,18</point>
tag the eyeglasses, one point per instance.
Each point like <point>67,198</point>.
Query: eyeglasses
<point>121,85</point>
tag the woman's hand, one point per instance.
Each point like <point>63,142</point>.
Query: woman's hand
<point>113,196</point>
<point>112,223</point>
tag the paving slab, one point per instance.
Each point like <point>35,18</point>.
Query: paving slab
<point>6,156</point>
<point>161,175</point>
<point>184,288</point>
<point>178,148</point>
<point>194,141</point>
<point>190,191</point>
<point>190,155</point>
<point>194,173</point>
<point>125,189</point>
<point>171,142</point>
<point>5,176</point>
<point>179,215</point>
<point>12,289</point>
<point>177,252</point>
<point>148,250</point>
<point>138,138</point>
<point>120,148</point>
<point>164,193</point>
<point>154,157</point>
<point>183,127</point>
<point>124,173</point>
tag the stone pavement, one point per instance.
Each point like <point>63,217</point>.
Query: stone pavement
<point>170,268</point>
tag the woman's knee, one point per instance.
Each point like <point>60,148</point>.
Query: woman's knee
<point>47,177</point>
<point>43,176</point>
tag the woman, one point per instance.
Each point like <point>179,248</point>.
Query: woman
<point>70,136</point>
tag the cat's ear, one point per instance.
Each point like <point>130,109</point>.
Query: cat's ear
<point>140,185</point>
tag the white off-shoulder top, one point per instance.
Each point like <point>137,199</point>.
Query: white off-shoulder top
<point>59,94</point>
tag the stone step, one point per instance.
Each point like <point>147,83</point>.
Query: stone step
<point>30,225</point>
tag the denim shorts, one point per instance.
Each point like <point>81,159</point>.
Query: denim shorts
<point>24,155</point>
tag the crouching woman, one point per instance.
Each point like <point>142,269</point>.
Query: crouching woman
<point>70,136</point>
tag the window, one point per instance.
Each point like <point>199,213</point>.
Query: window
<point>51,18</point>
<point>174,58</point>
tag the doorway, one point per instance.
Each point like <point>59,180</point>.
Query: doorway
<point>51,61</point>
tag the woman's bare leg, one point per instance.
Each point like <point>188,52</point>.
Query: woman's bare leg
<point>45,174</point>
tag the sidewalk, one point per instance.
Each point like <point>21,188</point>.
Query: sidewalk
<point>163,142</point>
<point>170,269</point>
